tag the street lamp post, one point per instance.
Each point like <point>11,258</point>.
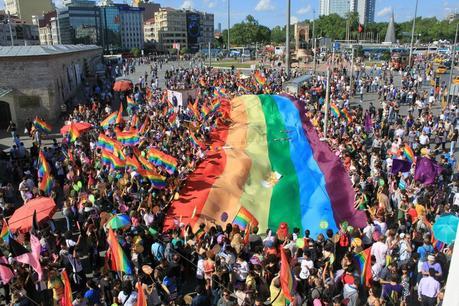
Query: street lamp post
<point>228,44</point>
<point>314,41</point>
<point>453,57</point>
<point>287,40</point>
<point>412,33</point>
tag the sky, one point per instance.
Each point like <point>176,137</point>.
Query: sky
<point>273,12</point>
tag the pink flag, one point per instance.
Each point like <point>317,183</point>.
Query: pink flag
<point>35,246</point>
<point>5,273</point>
<point>28,259</point>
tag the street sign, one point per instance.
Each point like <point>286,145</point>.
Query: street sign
<point>336,45</point>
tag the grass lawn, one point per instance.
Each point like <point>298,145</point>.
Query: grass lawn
<point>236,64</point>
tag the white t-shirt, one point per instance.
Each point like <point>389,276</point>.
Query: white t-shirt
<point>379,250</point>
<point>127,300</point>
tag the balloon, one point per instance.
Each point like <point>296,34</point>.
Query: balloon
<point>75,187</point>
<point>300,243</point>
<point>381,182</point>
<point>80,185</point>
<point>92,199</point>
<point>224,217</point>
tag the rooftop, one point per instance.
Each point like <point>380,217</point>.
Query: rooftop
<point>43,50</point>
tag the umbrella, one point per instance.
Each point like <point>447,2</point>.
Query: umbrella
<point>122,85</point>
<point>445,228</point>
<point>119,221</point>
<point>80,126</point>
<point>22,219</point>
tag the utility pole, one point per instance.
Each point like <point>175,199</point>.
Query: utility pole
<point>352,69</point>
<point>287,40</point>
<point>228,44</point>
<point>327,98</point>
<point>314,39</point>
<point>412,33</point>
<point>11,30</point>
<point>210,57</point>
<point>453,57</point>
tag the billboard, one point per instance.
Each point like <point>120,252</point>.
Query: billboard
<point>193,28</point>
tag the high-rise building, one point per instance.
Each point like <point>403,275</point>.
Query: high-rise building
<point>78,24</point>
<point>366,10</point>
<point>25,9</point>
<point>189,29</point>
<point>340,7</point>
<point>122,27</point>
<point>150,8</point>
<point>17,32</point>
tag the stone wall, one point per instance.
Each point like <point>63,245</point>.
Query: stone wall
<point>42,83</point>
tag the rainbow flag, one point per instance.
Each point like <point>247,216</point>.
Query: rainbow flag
<point>244,218</point>
<point>110,120</point>
<point>119,115</point>
<point>112,160</point>
<point>43,166</point>
<point>204,110</point>
<point>162,159</point>
<point>346,115</point>
<point>172,118</point>
<point>67,299</point>
<point>118,256</point>
<point>74,133</point>
<point>215,106</point>
<point>5,234</point>
<point>363,262</point>
<point>219,92</point>
<point>130,102</point>
<point>194,109</point>
<point>145,125</point>
<point>46,183</point>
<point>130,138</point>
<point>335,110</point>
<point>259,78</point>
<point>264,136</point>
<point>202,82</point>
<point>134,122</point>
<point>42,126</point>
<point>286,278</point>
<point>196,142</point>
<point>244,87</point>
<point>105,142</point>
<point>408,152</point>
<point>141,299</point>
<point>132,162</point>
<point>156,180</point>
<point>143,161</point>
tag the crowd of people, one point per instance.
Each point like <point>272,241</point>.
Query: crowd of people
<point>215,265</point>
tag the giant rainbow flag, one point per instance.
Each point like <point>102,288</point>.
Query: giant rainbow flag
<point>272,164</point>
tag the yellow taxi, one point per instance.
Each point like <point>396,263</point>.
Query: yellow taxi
<point>441,70</point>
<point>456,80</point>
<point>438,60</point>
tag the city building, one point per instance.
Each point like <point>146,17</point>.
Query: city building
<point>16,32</point>
<point>170,28</point>
<point>122,27</point>
<point>44,27</point>
<point>150,8</point>
<point>180,29</point>
<point>25,9</point>
<point>451,17</point>
<point>148,29</point>
<point>41,78</point>
<point>366,10</point>
<point>78,23</point>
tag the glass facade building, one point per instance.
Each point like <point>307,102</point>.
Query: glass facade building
<point>111,28</point>
<point>80,25</point>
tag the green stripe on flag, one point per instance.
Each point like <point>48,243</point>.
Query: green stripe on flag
<point>285,199</point>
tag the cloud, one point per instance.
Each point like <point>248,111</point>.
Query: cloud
<point>264,5</point>
<point>187,4</point>
<point>58,3</point>
<point>384,12</point>
<point>304,10</point>
<point>294,19</point>
<point>210,4</point>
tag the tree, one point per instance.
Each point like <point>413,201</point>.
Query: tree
<point>247,32</point>
<point>135,52</point>
<point>278,35</point>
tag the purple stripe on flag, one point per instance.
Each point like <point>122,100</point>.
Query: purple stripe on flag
<point>400,165</point>
<point>337,181</point>
<point>426,171</point>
